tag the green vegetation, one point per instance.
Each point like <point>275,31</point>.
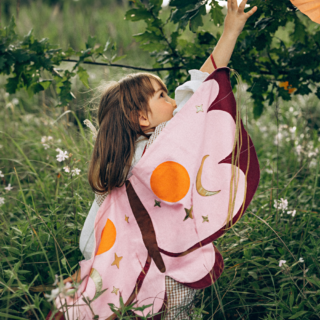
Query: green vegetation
<point>42,216</point>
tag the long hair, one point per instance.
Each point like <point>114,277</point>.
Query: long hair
<point>118,119</point>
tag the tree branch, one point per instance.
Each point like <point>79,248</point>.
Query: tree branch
<point>124,66</point>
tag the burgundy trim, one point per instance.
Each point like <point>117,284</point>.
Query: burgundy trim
<point>146,226</point>
<point>58,316</point>
<point>212,276</point>
<point>144,150</point>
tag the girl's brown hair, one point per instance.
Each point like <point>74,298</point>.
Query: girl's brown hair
<point>118,119</point>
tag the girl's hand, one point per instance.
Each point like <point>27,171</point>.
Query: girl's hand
<point>236,17</point>
<point>76,277</point>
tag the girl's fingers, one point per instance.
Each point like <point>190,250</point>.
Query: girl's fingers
<point>252,11</point>
<point>242,5</point>
<point>232,5</point>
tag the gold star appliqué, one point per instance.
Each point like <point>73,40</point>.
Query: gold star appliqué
<point>126,218</point>
<point>199,108</point>
<point>115,290</point>
<point>188,213</point>
<point>157,203</point>
<point>116,261</point>
<point>205,219</point>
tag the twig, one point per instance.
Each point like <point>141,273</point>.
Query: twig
<point>124,66</point>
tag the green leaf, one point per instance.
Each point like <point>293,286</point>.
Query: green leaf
<point>156,3</point>
<point>118,58</point>
<point>154,46</point>
<point>106,46</point>
<point>216,13</point>
<point>253,275</point>
<point>196,20</point>
<point>9,316</point>
<point>83,75</point>
<point>318,93</point>
<point>298,314</point>
<point>45,83</point>
<point>257,107</point>
<point>147,36</point>
<point>91,42</point>
<point>64,262</point>
<point>137,14</point>
<point>2,61</point>
<point>291,299</point>
<point>299,32</point>
<point>12,84</point>
<point>206,38</point>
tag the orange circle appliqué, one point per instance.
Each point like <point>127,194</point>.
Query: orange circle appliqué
<point>108,237</point>
<point>170,181</point>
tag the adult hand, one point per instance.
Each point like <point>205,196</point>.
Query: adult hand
<point>236,18</point>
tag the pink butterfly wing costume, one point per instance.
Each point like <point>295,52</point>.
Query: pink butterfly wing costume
<point>163,220</point>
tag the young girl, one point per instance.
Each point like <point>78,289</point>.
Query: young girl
<point>131,114</point>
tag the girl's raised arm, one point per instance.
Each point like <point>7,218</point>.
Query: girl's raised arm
<point>234,22</point>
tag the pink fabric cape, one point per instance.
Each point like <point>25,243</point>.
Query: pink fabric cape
<point>164,219</point>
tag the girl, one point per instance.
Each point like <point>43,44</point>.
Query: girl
<point>131,114</point>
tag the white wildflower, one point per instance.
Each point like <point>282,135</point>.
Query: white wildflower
<point>63,155</point>
<point>278,138</point>
<point>53,295</point>
<point>313,163</point>
<point>64,289</point>
<point>8,188</point>
<point>15,101</point>
<point>298,149</point>
<point>293,213</point>
<point>263,128</point>
<point>281,204</point>
<point>1,174</point>
<point>75,172</point>
<point>281,262</point>
<point>301,260</point>
<point>56,281</point>
<point>313,153</point>
<point>44,141</point>
<point>66,169</point>
<point>293,129</point>
<point>269,171</point>
<point>1,201</point>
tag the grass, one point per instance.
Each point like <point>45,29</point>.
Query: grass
<point>43,214</point>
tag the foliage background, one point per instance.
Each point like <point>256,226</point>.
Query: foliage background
<point>43,214</point>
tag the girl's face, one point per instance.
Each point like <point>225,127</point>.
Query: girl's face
<point>162,107</point>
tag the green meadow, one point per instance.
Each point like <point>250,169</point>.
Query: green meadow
<point>271,255</point>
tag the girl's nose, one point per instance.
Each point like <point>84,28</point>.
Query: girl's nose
<point>173,102</point>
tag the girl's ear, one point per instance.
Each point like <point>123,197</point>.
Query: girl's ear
<point>143,120</point>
